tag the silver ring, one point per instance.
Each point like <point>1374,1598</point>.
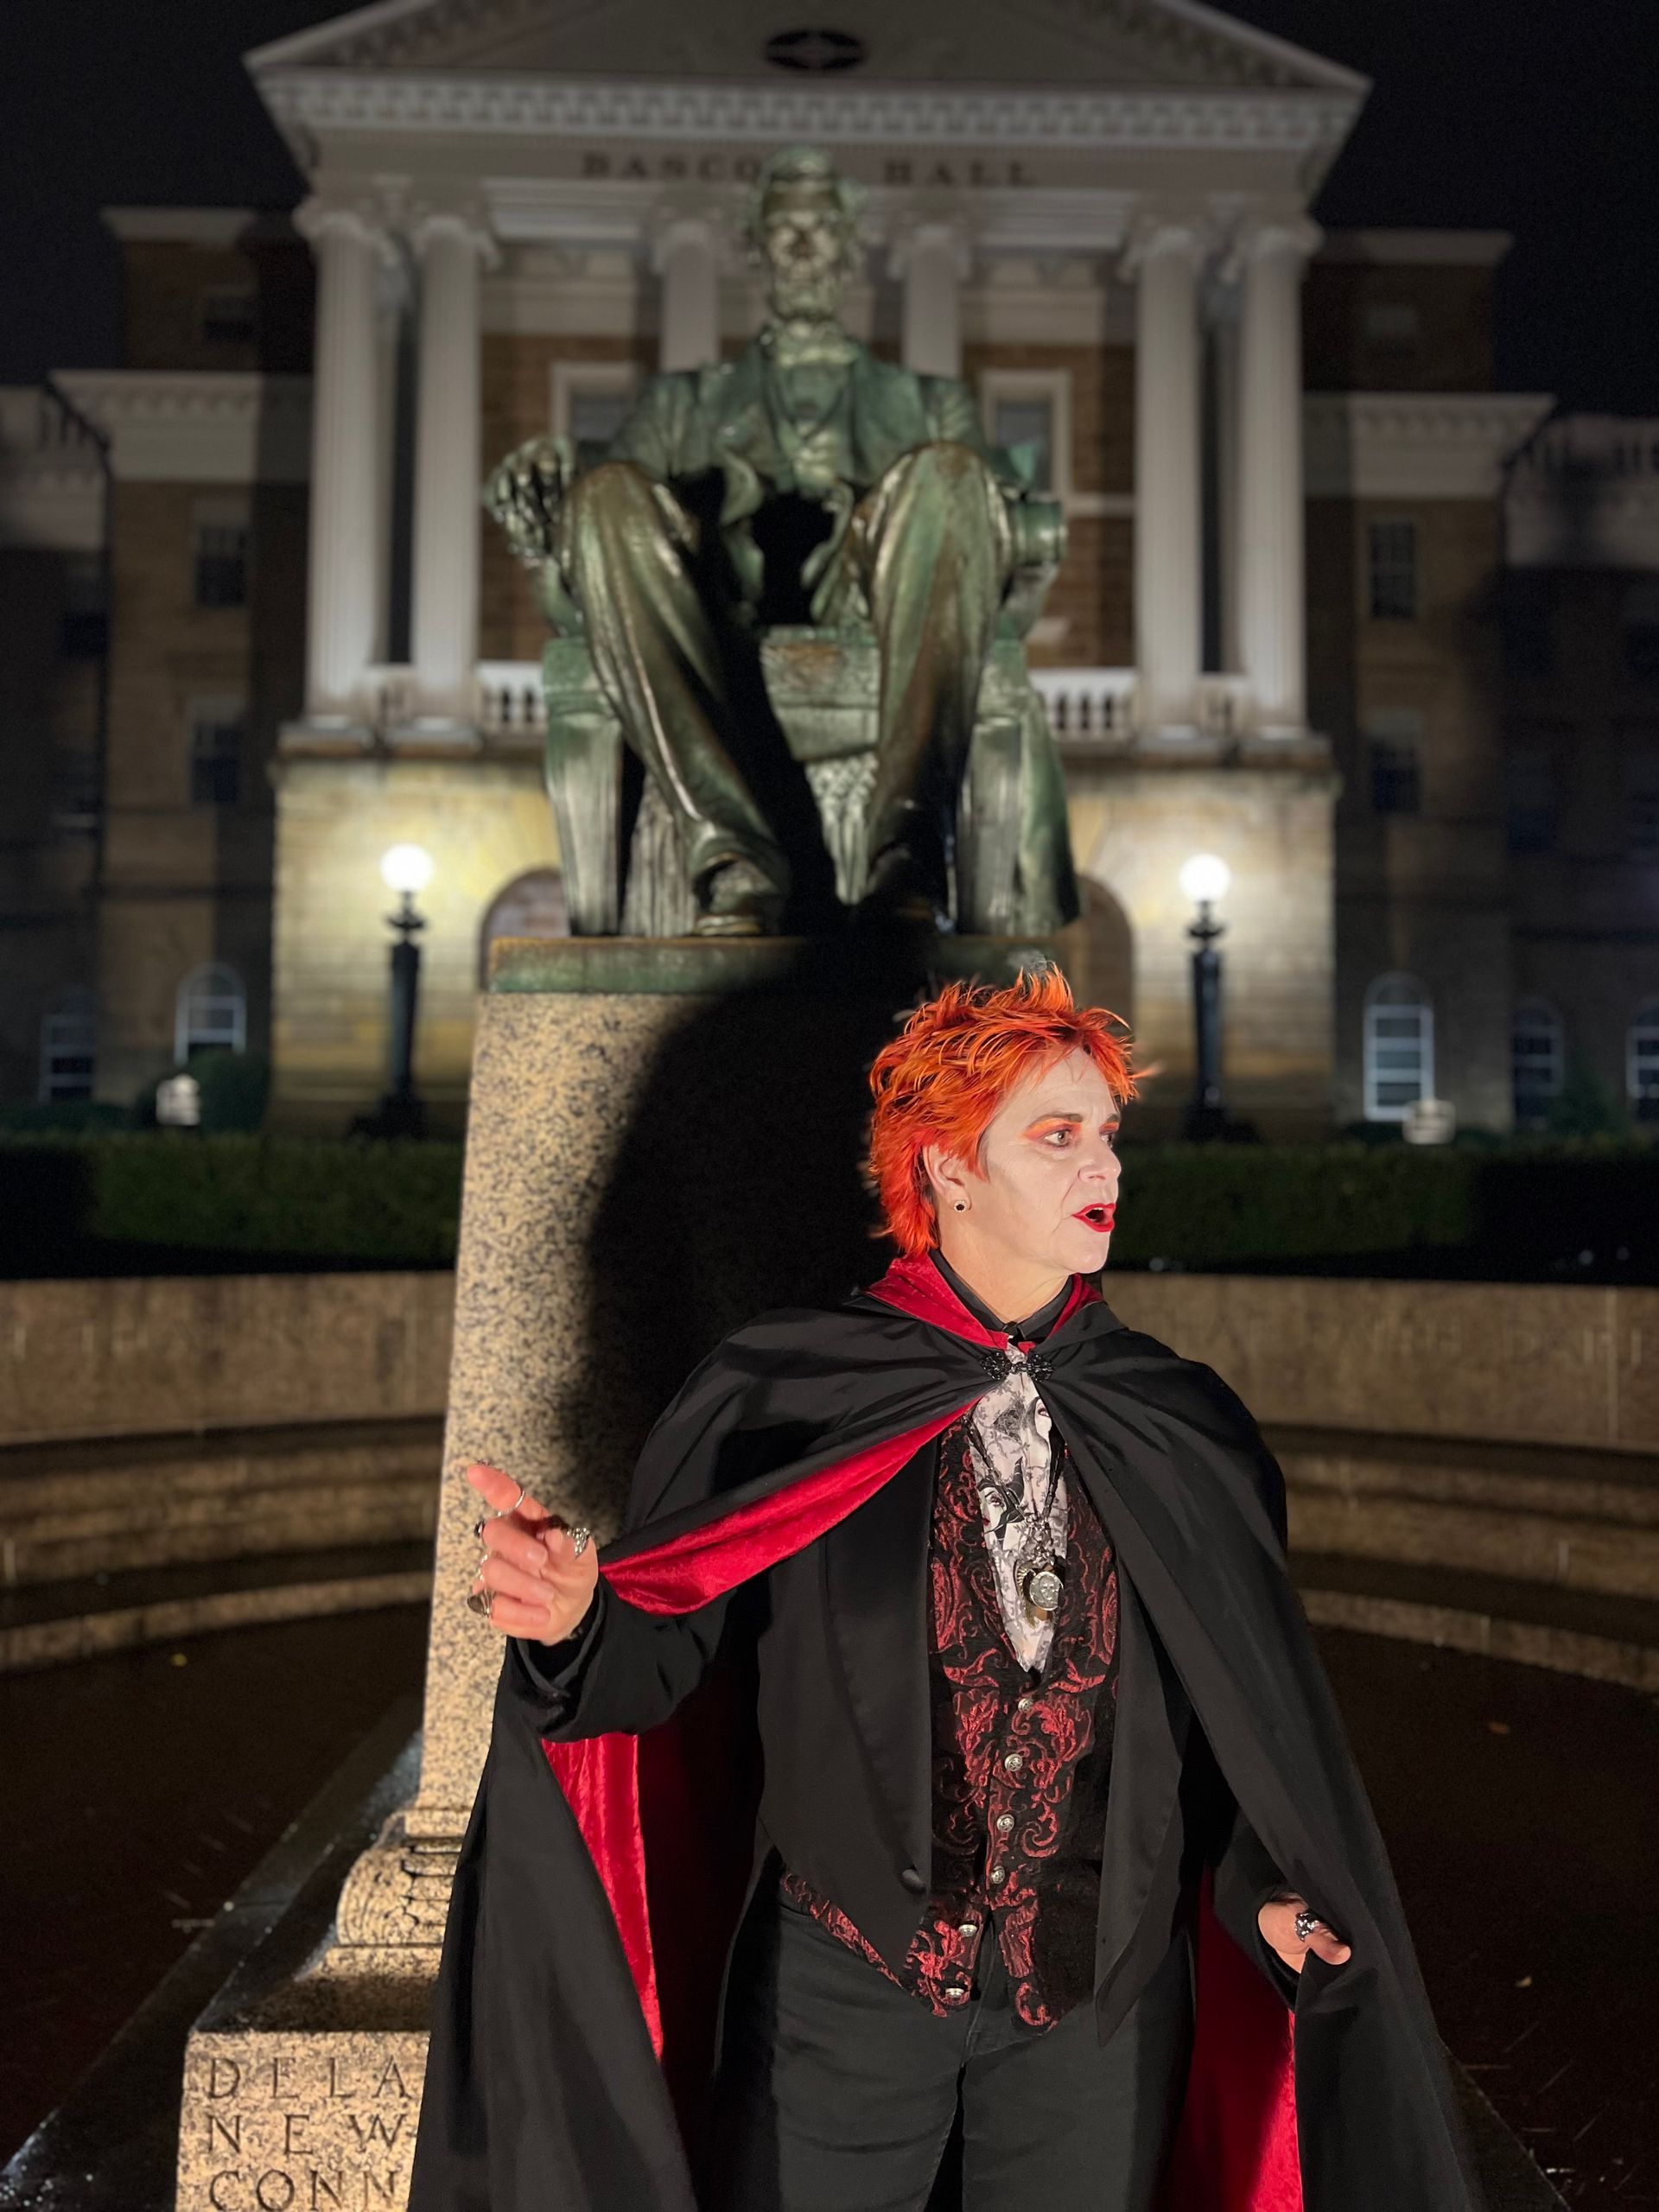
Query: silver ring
<point>501,1513</point>
<point>1305,1923</point>
<point>480,1601</point>
<point>580,1538</point>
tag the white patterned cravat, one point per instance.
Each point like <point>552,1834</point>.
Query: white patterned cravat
<point>1011,1439</point>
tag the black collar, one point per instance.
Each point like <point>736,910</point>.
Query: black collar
<point>1034,1327</point>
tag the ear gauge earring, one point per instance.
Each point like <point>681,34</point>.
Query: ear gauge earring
<point>962,1205</point>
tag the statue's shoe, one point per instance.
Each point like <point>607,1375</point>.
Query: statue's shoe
<point>739,900</point>
<point>736,924</point>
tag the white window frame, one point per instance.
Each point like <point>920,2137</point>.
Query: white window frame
<point>70,1019</point>
<point>1545,1022</point>
<point>1377,1005</point>
<point>1053,385</point>
<point>1642,1044</point>
<point>231,993</point>
<point>570,377</point>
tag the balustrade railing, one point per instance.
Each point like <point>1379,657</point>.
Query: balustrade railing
<point>510,701</point>
<point>1086,706</point>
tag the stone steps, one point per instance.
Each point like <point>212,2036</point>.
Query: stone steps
<point>1561,1517</point>
<point>97,1505</point>
<point>1607,1639</point>
<point>48,1623</point>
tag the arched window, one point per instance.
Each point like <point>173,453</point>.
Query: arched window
<point>212,1013</point>
<point>531,906</point>
<point>1642,1062</point>
<point>1399,1047</point>
<point>69,1044</point>
<point>1536,1058</point>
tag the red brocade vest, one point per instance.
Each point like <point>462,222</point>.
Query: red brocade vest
<point>1021,1762</point>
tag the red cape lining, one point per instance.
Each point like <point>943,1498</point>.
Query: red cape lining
<point>1236,2147</point>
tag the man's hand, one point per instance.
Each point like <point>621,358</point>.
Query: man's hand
<point>524,493</point>
<point>542,1588</point>
<point>1277,1920</point>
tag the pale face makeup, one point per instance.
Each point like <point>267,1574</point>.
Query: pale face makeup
<point>1037,1204</point>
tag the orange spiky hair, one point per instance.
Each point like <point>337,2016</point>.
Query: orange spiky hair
<point>942,1080</point>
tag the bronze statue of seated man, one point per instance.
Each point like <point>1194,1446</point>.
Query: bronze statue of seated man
<point>805,481</point>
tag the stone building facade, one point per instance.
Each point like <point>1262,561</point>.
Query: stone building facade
<point>1277,637</point>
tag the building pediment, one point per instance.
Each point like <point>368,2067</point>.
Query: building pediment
<point>1120,44</point>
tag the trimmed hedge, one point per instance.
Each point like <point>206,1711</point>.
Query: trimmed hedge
<point>179,1199</point>
<point>1523,1211</point>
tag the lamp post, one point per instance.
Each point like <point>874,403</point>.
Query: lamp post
<point>406,869</point>
<point>1205,880</point>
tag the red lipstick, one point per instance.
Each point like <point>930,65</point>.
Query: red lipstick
<point>1099,1216</point>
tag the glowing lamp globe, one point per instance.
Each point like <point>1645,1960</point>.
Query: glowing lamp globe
<point>1205,878</point>
<point>407,869</point>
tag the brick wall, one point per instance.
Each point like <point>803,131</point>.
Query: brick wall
<point>188,883</point>
<point>1425,893</point>
<point>1380,327</point>
<point>166,285</point>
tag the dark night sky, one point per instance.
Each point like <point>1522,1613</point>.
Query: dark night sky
<point>1531,115</point>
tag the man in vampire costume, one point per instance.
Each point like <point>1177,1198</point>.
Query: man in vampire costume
<point>949,1657</point>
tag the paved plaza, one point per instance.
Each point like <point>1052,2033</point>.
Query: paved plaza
<point>1520,1807</point>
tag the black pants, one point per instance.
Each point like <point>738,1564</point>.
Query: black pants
<point>838,2091</point>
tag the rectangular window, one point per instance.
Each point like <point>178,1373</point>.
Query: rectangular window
<point>1394,325</point>
<point>597,416</point>
<point>1396,784</point>
<point>1027,424</point>
<point>74,788</point>
<point>69,1046</point>
<point>216,744</point>
<point>1642,806</point>
<point>84,628</point>
<point>1393,738</point>
<point>1028,415</point>
<point>230,316</point>
<point>1529,799</point>
<point>221,562</point>
<point>1641,629</point>
<point>1527,623</point>
<point>1392,569</point>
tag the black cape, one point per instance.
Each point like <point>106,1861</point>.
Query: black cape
<point>542,2089</point>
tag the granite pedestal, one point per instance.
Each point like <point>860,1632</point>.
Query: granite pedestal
<point>665,1138</point>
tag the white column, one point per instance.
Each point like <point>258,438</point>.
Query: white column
<point>1272,621</point>
<point>930,260</point>
<point>443,616</point>
<point>1224,337</point>
<point>389,302</point>
<point>346,586</point>
<point>1166,258</point>
<point>686,256</point>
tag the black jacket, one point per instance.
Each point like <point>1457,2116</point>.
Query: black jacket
<point>542,2087</point>
<point>839,1637</point>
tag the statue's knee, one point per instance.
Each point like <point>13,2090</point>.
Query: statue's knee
<point>612,487</point>
<point>947,461</point>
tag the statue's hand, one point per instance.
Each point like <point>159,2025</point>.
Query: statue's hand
<point>524,493</point>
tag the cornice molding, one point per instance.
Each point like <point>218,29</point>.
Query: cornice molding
<point>1586,495</point>
<point>436,34</point>
<point>312,104</point>
<point>1431,445</point>
<point>585,212</point>
<point>198,427</point>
